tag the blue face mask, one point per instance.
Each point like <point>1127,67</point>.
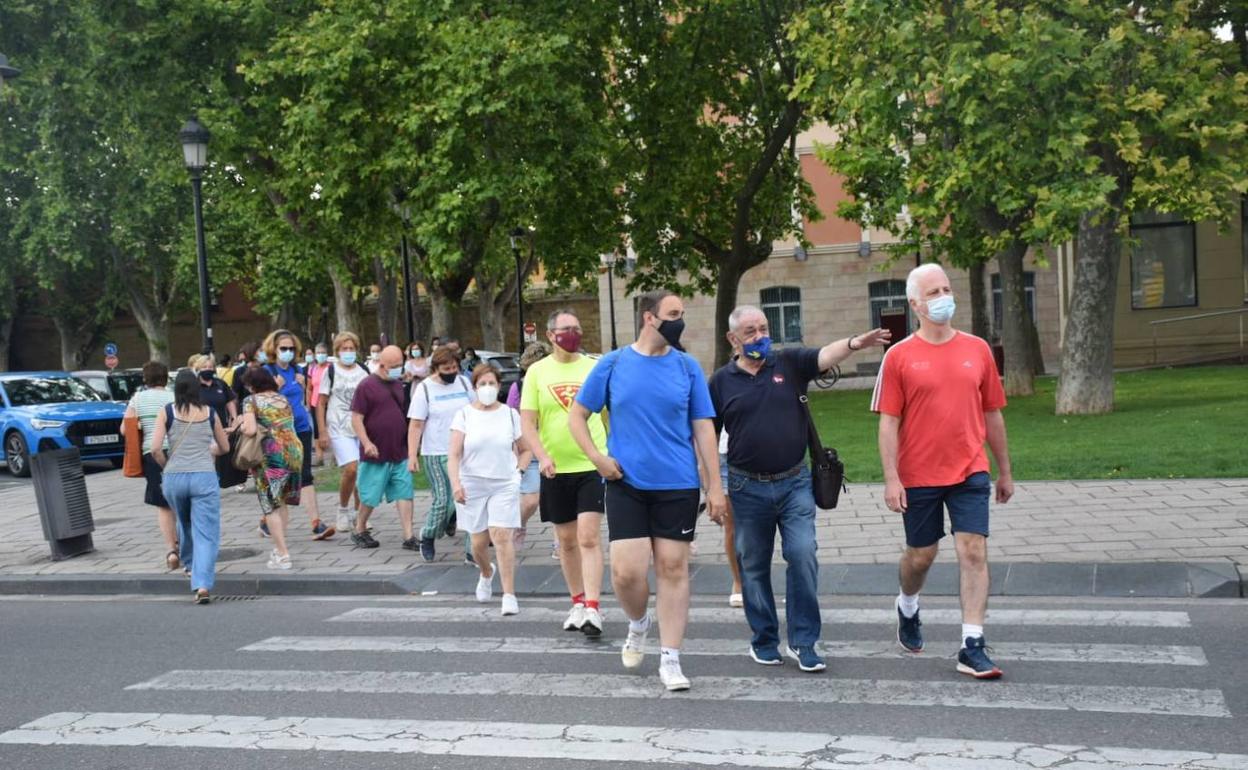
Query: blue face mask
<point>322,358</point>
<point>347,357</point>
<point>757,350</point>
<point>940,310</point>
<point>285,356</point>
<point>395,373</point>
<point>262,357</point>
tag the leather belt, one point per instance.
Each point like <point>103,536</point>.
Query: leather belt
<point>790,473</point>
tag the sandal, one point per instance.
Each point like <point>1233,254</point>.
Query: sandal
<point>201,596</point>
<point>172,561</point>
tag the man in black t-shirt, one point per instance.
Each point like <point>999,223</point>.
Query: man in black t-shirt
<point>757,398</point>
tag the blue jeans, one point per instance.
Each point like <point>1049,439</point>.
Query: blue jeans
<point>196,501</point>
<point>759,508</point>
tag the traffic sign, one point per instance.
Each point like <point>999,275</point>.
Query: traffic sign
<point>111,362</point>
<point>530,332</point>
<point>110,350</point>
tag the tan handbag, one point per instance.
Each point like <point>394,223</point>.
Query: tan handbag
<point>249,451</point>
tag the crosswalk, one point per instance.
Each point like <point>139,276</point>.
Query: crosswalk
<point>455,649</point>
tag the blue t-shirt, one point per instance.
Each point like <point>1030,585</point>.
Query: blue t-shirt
<point>293,392</point>
<point>652,402</point>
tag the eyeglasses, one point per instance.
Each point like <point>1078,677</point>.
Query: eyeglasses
<point>286,350</point>
<point>565,329</point>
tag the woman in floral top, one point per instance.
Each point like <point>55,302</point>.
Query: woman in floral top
<point>278,477</point>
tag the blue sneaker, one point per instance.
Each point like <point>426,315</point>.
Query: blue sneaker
<point>264,528</point>
<point>973,660</point>
<point>908,634</point>
<point>427,551</point>
<point>807,659</point>
<point>766,656</point>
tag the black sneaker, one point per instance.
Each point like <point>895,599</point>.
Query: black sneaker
<point>426,549</point>
<point>363,540</point>
<point>909,635</point>
<point>469,560</point>
<point>411,544</point>
<point>973,660</point>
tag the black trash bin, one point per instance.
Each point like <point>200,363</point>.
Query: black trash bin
<point>64,508</point>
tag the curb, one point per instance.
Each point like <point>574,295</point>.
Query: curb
<point>1133,579</point>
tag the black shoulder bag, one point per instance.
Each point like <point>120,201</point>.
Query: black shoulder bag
<point>827,472</point>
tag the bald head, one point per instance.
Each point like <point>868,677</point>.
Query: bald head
<point>391,357</point>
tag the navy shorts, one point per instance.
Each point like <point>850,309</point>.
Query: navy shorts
<point>968,510</point>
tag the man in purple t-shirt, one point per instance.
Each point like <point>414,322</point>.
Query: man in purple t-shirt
<point>379,417</point>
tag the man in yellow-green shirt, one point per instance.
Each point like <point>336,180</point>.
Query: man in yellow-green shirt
<point>571,493</point>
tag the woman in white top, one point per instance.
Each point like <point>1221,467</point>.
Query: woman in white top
<point>487,456</point>
<point>417,366</point>
<point>333,415</point>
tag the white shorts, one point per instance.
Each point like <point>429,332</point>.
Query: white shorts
<point>490,503</point>
<point>346,449</point>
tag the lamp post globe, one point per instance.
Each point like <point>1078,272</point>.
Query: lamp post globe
<point>194,139</point>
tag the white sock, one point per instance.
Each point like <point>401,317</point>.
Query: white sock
<point>669,656</point>
<point>639,625</point>
<point>907,604</point>
<point>971,632</point>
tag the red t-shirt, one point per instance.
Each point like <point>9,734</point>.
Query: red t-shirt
<point>940,392</point>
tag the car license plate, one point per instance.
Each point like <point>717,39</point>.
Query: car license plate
<point>107,438</point>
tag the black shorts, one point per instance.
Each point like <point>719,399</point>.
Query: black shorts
<point>305,438</point>
<point>670,514</point>
<point>568,495</point>
<point>154,475</point>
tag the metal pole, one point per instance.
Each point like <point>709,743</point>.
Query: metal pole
<point>611,300</point>
<point>407,290</point>
<point>519,301</point>
<point>205,312</point>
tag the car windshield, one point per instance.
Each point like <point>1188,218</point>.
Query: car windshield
<point>125,385</point>
<point>48,390</point>
<point>503,362</point>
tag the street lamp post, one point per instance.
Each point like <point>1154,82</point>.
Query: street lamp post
<point>405,213</point>
<point>7,71</point>
<point>609,260</point>
<point>515,236</point>
<point>194,138</point>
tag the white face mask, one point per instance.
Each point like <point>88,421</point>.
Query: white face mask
<point>940,310</point>
<point>487,395</point>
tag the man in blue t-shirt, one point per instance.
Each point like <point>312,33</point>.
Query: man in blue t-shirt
<point>660,426</point>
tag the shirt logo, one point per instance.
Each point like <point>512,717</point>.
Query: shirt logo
<point>921,365</point>
<point>967,364</point>
<point>778,379</point>
<point>564,393</point>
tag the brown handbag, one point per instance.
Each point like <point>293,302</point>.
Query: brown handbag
<point>132,463</point>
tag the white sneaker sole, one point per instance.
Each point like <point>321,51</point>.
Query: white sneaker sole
<point>631,659</point>
<point>675,684</point>
<point>810,670</point>
<point>965,669</point>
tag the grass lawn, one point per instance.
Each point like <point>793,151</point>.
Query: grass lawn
<point>1168,423</point>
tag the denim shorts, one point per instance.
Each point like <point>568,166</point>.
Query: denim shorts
<point>968,510</point>
<point>531,479</point>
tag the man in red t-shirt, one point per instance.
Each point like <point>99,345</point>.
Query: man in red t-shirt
<point>939,397</point>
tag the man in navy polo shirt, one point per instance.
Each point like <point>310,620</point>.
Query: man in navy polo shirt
<point>756,398</point>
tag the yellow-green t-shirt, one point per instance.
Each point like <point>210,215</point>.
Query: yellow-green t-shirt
<point>550,388</point>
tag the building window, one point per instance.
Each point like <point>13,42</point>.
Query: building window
<point>998,307</point>
<point>783,307</point>
<point>1163,261</point>
<point>887,295</point>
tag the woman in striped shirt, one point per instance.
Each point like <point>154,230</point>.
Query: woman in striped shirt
<point>147,405</point>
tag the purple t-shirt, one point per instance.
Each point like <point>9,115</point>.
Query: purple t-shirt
<point>381,405</point>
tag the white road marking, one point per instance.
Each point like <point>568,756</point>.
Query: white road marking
<point>1030,617</point>
<point>609,743</point>
<point>781,689</point>
<point>1172,655</point>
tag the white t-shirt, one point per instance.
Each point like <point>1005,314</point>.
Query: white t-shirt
<point>338,409</point>
<point>436,403</point>
<point>489,441</point>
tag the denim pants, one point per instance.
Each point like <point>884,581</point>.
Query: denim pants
<point>196,501</point>
<point>759,508</point>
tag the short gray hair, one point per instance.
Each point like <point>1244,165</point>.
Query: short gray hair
<point>734,318</point>
<point>912,280</point>
<point>553,318</point>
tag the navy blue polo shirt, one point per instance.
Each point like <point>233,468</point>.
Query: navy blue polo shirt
<point>765,421</point>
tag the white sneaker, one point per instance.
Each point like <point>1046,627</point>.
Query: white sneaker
<point>345,521</point>
<point>633,653</point>
<point>736,600</point>
<point>576,618</point>
<point>277,561</point>
<point>510,605</point>
<point>593,622</point>
<point>485,586</point>
<point>672,677</point>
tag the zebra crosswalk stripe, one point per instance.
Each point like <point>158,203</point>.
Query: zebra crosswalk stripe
<point>999,695</point>
<point>1139,654</point>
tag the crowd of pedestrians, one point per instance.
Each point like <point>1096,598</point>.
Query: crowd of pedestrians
<point>639,436</point>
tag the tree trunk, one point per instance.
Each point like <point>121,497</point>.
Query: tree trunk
<point>726,285</point>
<point>493,320</point>
<point>1017,331</point>
<point>1086,385</point>
<point>442,313</point>
<point>155,328</point>
<point>345,311</point>
<point>979,302</point>
<point>9,311</point>
<point>387,302</point>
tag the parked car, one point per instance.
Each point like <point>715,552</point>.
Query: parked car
<point>42,411</point>
<point>117,385</point>
<point>505,363</point>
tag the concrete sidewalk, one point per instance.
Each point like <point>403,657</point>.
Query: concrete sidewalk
<point>1067,538</point>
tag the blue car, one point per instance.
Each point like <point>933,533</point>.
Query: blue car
<point>54,410</point>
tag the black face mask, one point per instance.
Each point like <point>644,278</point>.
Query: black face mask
<point>447,378</point>
<point>671,331</point>
<point>207,376</point>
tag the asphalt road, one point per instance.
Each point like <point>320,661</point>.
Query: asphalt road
<point>445,682</point>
